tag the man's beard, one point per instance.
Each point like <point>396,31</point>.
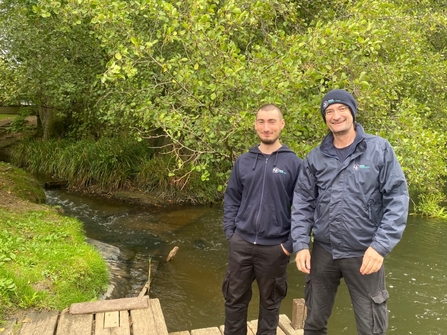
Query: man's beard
<point>269,141</point>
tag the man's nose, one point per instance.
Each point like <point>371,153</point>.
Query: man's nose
<point>337,114</point>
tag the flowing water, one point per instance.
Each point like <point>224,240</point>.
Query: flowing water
<point>189,286</point>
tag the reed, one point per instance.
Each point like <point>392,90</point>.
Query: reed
<point>109,163</point>
<point>112,164</point>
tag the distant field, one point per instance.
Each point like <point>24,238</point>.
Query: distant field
<point>7,116</point>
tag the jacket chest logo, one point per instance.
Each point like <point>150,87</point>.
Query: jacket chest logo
<point>360,166</point>
<point>278,170</point>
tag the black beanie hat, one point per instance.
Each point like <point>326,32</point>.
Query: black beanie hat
<point>338,97</point>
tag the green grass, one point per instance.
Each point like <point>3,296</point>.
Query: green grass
<point>7,116</point>
<point>45,262</point>
<point>21,184</point>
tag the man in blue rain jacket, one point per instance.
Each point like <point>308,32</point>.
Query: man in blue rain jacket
<point>352,195</point>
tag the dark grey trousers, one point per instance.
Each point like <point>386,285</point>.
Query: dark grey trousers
<point>368,293</point>
<point>247,262</point>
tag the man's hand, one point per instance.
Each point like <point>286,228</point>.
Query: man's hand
<point>303,261</point>
<point>285,251</point>
<point>372,262</point>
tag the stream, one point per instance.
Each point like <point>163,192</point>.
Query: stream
<point>189,286</point>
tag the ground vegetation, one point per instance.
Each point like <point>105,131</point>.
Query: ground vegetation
<point>45,261</point>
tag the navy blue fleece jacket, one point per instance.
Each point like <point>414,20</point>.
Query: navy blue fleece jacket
<point>258,198</point>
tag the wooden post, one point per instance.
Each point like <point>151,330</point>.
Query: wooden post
<point>172,254</point>
<point>299,313</point>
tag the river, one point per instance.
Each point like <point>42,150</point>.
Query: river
<point>189,286</point>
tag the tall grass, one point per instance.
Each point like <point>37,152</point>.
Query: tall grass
<point>112,164</point>
<point>185,186</point>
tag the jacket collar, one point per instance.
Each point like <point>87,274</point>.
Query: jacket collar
<point>327,145</point>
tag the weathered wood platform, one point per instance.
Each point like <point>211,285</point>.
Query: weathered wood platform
<point>129,316</point>
<point>284,328</point>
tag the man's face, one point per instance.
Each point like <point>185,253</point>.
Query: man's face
<point>339,119</point>
<point>268,126</point>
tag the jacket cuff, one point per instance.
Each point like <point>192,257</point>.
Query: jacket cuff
<point>378,247</point>
<point>288,246</point>
<point>297,247</point>
<point>229,233</point>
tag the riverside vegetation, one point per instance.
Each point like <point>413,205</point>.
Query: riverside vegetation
<point>45,261</point>
<point>160,94</point>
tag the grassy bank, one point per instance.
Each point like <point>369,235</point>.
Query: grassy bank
<point>45,262</point>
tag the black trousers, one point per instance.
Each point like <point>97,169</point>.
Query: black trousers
<point>368,293</point>
<point>248,262</point>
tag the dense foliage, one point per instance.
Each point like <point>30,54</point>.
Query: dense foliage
<point>186,76</point>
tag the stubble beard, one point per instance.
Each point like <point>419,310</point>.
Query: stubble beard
<point>268,141</point>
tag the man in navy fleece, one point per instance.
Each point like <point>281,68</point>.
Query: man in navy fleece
<point>257,208</point>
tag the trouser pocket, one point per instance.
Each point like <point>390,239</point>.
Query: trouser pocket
<point>225,285</point>
<point>380,312</point>
<point>280,290</point>
<point>308,292</point>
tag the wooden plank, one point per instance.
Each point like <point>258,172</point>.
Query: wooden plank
<point>111,319</point>
<point>149,321</point>
<point>206,331</point>
<point>249,331</point>
<point>286,325</point>
<point>39,323</point>
<point>143,322</point>
<point>74,324</point>
<point>185,332</point>
<point>159,319</point>
<point>299,313</point>
<point>253,326</point>
<point>109,305</point>
<point>124,324</point>
<point>279,331</point>
<point>123,327</point>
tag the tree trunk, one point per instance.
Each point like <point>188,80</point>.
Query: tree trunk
<point>52,124</point>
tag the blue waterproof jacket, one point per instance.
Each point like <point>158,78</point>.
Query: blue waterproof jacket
<point>258,198</point>
<point>351,205</point>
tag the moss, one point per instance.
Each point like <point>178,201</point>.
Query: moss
<point>21,184</point>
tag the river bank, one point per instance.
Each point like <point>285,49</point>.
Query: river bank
<point>46,262</point>
<point>131,195</point>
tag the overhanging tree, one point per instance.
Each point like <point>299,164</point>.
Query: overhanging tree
<point>194,72</point>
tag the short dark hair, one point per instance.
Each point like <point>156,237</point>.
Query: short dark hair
<point>271,107</point>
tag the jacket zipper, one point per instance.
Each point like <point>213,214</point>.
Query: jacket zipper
<point>260,202</point>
